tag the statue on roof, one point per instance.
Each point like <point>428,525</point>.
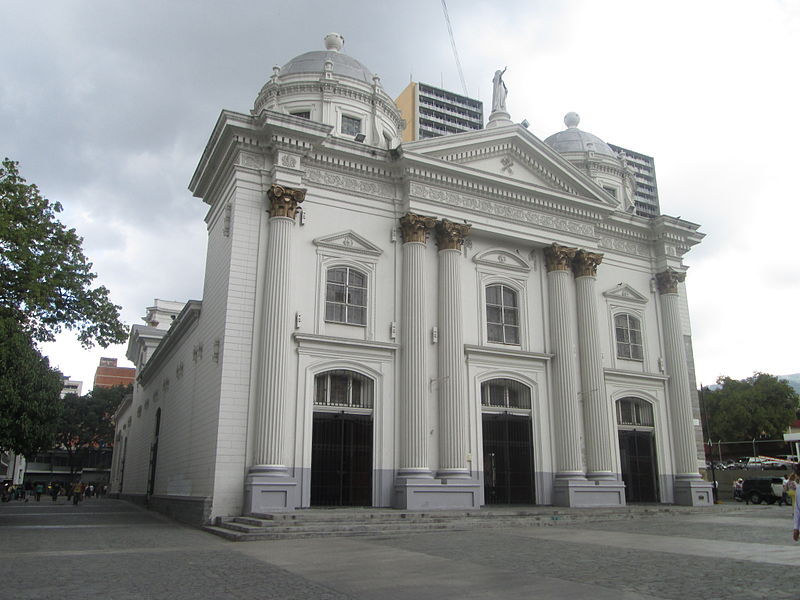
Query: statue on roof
<point>500,91</point>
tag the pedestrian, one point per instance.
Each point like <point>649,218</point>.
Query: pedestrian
<point>39,489</point>
<point>76,492</point>
<point>796,520</point>
<point>54,490</point>
<point>791,488</point>
<point>737,489</point>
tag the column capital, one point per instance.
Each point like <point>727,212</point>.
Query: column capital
<point>283,200</point>
<point>415,228</point>
<point>558,258</point>
<point>451,236</point>
<point>585,263</point>
<point>667,281</point>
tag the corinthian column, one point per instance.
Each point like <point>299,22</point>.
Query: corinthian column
<point>597,425</point>
<point>566,412</point>
<point>689,487</point>
<point>276,329</point>
<point>268,486</point>
<point>452,400</point>
<point>413,367</point>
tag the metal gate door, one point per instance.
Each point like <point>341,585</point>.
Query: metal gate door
<point>637,455</point>
<point>341,460</point>
<point>507,459</point>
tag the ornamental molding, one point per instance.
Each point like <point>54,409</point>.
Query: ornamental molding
<point>502,259</point>
<point>624,246</point>
<point>625,293</point>
<point>558,258</point>
<point>585,263</point>
<point>284,200</point>
<point>667,281</point>
<point>251,160</point>
<point>350,242</point>
<point>348,182</point>
<point>451,236</point>
<point>500,210</point>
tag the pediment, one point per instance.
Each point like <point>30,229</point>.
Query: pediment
<point>348,241</point>
<point>502,259</point>
<point>625,292</point>
<point>515,156</point>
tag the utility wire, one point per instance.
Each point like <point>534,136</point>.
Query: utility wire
<point>453,44</point>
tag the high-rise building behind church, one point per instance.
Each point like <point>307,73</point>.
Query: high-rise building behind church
<point>646,193</point>
<point>432,112</point>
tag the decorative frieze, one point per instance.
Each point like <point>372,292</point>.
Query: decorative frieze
<point>500,209</point>
<point>284,201</point>
<point>415,228</point>
<point>451,236</point>
<point>667,281</point>
<point>626,246</point>
<point>585,263</point>
<point>353,184</point>
<point>559,258</point>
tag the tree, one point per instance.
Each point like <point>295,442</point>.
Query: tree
<point>751,408</point>
<point>86,423</point>
<point>45,279</point>
<point>29,393</point>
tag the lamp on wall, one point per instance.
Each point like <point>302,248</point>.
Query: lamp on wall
<point>360,137</point>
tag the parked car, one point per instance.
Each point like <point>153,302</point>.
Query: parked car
<point>762,489</point>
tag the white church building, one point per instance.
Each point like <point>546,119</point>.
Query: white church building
<point>468,320</point>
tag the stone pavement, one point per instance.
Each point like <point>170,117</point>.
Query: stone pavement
<point>113,550</point>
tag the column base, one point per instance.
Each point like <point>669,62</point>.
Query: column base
<point>586,493</point>
<point>269,490</point>
<point>692,491</point>
<point>426,493</point>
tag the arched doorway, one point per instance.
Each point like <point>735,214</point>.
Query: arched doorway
<point>637,450</point>
<point>507,442</point>
<point>341,441</point>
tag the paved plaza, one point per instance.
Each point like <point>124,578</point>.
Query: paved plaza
<point>111,549</point>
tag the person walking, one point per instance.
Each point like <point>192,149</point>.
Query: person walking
<point>76,493</point>
<point>39,489</point>
<point>54,490</point>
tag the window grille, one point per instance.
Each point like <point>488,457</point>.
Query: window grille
<point>635,412</point>
<point>343,388</point>
<point>628,331</point>
<point>502,314</point>
<point>505,393</point>
<point>346,296</point>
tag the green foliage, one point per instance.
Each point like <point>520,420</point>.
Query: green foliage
<point>761,406</point>
<point>29,393</point>
<point>86,420</point>
<point>45,280</point>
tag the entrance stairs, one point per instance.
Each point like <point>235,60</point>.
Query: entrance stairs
<point>321,522</point>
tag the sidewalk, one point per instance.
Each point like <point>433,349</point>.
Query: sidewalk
<point>113,550</point>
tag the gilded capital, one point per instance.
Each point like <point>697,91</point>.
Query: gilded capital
<point>558,258</point>
<point>585,263</point>
<point>415,228</point>
<point>668,281</point>
<point>451,236</point>
<point>283,201</point>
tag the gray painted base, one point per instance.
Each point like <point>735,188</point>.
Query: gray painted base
<point>426,493</point>
<point>191,510</point>
<point>588,493</point>
<point>270,492</point>
<point>693,492</point>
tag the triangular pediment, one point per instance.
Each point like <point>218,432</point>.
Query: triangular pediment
<point>502,259</point>
<point>625,292</point>
<point>348,241</point>
<point>515,156</point>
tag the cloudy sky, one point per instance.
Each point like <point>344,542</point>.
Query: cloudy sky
<point>108,104</point>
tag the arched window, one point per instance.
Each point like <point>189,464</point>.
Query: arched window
<point>343,388</point>
<point>635,412</point>
<point>505,393</point>
<point>346,296</point>
<point>628,331</point>
<point>502,314</point>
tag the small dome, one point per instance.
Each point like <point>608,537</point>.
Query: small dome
<point>573,139</point>
<point>314,62</point>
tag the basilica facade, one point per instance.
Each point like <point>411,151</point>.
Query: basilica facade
<point>462,321</point>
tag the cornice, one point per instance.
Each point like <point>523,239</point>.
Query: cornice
<point>619,375</point>
<point>179,328</point>
<point>471,350</point>
<point>323,341</point>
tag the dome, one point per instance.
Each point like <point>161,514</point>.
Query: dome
<point>314,62</point>
<point>573,139</point>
